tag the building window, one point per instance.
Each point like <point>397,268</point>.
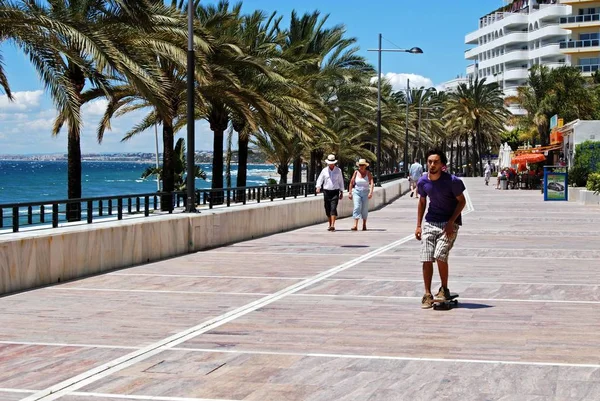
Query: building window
<point>589,36</point>
<point>589,61</point>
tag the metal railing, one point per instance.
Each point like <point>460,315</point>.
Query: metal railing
<point>575,44</point>
<point>62,213</point>
<point>580,18</point>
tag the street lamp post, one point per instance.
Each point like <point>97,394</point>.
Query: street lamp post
<point>191,143</point>
<point>414,50</point>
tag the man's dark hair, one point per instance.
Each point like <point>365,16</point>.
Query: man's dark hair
<point>438,152</point>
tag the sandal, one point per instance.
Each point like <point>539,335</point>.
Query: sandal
<point>364,229</point>
<point>354,229</point>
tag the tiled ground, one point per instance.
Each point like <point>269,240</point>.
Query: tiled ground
<point>313,315</point>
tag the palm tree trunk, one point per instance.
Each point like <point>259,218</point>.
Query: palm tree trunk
<point>311,173</point>
<point>467,154</point>
<point>283,171</point>
<point>479,147</point>
<point>297,170</point>
<point>451,156</point>
<point>168,173</point>
<point>218,120</point>
<point>459,146</point>
<point>474,147</point>
<point>77,79</point>
<point>243,142</point>
<point>74,175</point>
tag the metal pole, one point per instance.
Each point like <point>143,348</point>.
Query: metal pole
<point>157,163</point>
<point>191,145</point>
<point>417,153</point>
<point>406,136</point>
<point>379,115</point>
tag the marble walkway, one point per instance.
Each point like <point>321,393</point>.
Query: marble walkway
<point>314,315</point>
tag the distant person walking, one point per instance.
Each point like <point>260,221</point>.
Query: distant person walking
<point>331,181</point>
<point>487,173</point>
<point>443,219</point>
<point>414,174</point>
<point>360,191</point>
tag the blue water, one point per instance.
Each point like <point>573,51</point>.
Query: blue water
<point>31,181</point>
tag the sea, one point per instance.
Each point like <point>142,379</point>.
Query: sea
<point>32,181</point>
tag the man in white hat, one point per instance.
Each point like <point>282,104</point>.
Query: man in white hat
<point>331,181</point>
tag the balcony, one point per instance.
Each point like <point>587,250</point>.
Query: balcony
<point>518,73</point>
<point>547,50</point>
<point>500,21</point>
<point>580,21</point>
<point>580,46</point>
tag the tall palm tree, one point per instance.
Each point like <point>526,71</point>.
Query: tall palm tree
<point>225,94</point>
<point>324,59</point>
<point>76,42</point>
<point>475,106</point>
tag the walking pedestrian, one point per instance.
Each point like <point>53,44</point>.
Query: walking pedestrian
<point>443,219</point>
<point>415,172</point>
<point>331,182</point>
<point>487,173</point>
<point>360,191</point>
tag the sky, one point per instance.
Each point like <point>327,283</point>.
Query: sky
<point>436,26</point>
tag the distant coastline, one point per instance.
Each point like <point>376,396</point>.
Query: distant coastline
<point>202,157</point>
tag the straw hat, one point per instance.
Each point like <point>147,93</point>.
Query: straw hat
<point>362,162</point>
<point>331,159</point>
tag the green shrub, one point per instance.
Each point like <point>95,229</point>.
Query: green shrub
<point>578,175</point>
<point>588,154</point>
<point>593,183</point>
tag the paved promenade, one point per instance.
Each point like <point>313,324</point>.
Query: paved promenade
<point>314,315</point>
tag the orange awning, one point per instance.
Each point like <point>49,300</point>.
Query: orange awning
<point>528,158</point>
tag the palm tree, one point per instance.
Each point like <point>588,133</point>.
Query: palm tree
<point>324,59</point>
<point>562,91</point>
<point>71,43</point>
<point>478,108</point>
<point>180,168</point>
<point>225,94</point>
<point>533,98</point>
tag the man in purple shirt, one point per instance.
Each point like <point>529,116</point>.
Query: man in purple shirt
<point>437,235</point>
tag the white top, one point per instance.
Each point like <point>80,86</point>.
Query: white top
<point>331,179</point>
<point>361,183</point>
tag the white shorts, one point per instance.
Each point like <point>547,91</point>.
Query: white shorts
<point>435,244</point>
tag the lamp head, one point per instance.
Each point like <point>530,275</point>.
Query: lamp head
<point>415,50</point>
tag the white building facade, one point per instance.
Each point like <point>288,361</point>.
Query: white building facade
<point>513,39</point>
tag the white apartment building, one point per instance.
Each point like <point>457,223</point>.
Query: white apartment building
<point>451,85</point>
<point>515,37</point>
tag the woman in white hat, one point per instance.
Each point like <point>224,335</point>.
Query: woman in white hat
<point>360,191</point>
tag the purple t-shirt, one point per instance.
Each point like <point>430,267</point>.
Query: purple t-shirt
<point>442,195</point>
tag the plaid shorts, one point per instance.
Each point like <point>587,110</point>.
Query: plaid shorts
<point>435,244</point>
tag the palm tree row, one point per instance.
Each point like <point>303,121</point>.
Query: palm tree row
<point>562,91</point>
<point>296,91</point>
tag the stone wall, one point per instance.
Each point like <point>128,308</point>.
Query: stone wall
<point>37,258</point>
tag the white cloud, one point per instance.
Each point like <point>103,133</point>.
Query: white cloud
<point>23,101</point>
<point>398,80</point>
<point>95,108</point>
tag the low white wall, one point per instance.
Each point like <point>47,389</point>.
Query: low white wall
<point>584,197</point>
<point>33,259</point>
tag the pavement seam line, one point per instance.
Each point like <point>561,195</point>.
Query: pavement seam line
<point>390,357</point>
<point>83,379</point>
